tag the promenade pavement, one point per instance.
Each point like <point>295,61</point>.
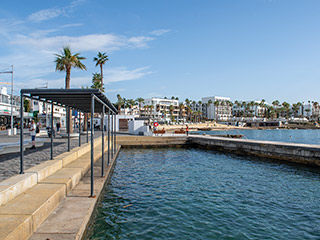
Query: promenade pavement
<point>10,163</point>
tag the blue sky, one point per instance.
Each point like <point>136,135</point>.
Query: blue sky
<point>244,49</point>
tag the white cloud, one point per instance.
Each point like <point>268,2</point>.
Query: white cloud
<point>123,74</point>
<point>111,75</point>
<point>46,14</point>
<point>160,32</point>
<point>115,90</point>
<point>91,42</point>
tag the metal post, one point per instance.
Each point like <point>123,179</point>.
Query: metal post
<point>21,133</point>
<point>114,134</point>
<point>87,128</point>
<point>79,129</point>
<point>51,152</point>
<point>102,134</point>
<point>112,149</point>
<point>68,127</point>
<point>92,147</point>
<point>108,136</point>
<point>12,102</point>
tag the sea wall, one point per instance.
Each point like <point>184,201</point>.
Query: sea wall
<point>155,141</point>
<point>300,153</point>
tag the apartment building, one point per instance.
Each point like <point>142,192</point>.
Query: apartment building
<point>248,108</point>
<point>161,109</point>
<point>217,108</point>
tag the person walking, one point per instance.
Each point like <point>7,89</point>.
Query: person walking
<point>187,130</point>
<point>32,130</point>
<point>58,125</point>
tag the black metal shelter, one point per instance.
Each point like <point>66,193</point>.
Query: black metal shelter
<point>83,100</point>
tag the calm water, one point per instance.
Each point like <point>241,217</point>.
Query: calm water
<point>198,194</point>
<point>309,136</point>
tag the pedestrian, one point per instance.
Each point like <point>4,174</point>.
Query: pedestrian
<point>32,130</point>
<point>58,125</point>
<point>187,130</point>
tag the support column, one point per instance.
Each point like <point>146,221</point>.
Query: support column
<point>102,134</point>
<point>68,127</point>
<point>51,150</point>
<point>108,136</point>
<point>112,146</point>
<point>21,133</point>
<point>114,134</point>
<point>79,129</point>
<point>87,128</point>
<point>92,146</point>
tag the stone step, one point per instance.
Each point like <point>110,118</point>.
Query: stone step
<point>71,218</point>
<point>21,216</point>
<point>14,186</point>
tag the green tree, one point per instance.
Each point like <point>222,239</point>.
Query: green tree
<point>120,102</point>
<point>100,60</point>
<point>216,104</point>
<point>140,101</point>
<point>26,105</point>
<point>66,60</point>
<point>131,103</point>
<point>97,82</point>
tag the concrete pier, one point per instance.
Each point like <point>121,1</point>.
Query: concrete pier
<point>293,152</point>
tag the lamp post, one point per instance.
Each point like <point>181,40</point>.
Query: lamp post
<point>11,96</point>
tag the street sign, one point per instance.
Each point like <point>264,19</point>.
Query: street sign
<point>156,124</point>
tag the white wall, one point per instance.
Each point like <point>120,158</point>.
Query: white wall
<point>137,126</point>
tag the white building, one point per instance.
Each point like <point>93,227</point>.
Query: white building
<point>219,109</point>
<point>43,112</point>
<point>5,107</point>
<point>161,109</point>
<point>248,109</point>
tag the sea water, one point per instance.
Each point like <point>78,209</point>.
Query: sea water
<point>201,194</point>
<point>308,136</point>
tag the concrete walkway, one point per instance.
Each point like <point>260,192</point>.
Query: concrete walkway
<point>10,163</point>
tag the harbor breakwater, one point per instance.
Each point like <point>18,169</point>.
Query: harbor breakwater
<point>308,154</point>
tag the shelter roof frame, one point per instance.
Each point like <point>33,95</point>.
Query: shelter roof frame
<point>79,99</point>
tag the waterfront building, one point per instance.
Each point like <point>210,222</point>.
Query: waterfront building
<point>217,108</point>
<point>310,110</point>
<point>161,109</point>
<point>248,109</point>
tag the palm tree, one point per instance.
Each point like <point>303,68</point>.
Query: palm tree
<point>140,101</point>
<point>181,109</point>
<point>295,108</point>
<point>189,112</point>
<point>120,103</point>
<point>96,82</point>
<point>216,104</point>
<point>66,61</point>
<point>316,110</point>
<point>171,109</point>
<point>100,60</point>
<point>26,105</point>
<point>131,103</point>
